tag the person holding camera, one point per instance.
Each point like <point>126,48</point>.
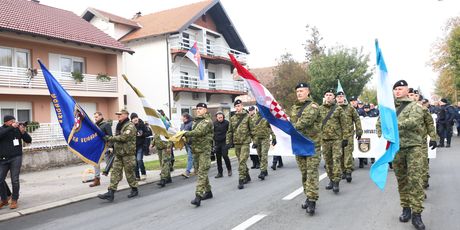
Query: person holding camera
<point>12,134</point>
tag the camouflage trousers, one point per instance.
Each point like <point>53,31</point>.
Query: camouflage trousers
<point>202,163</point>
<point>347,159</point>
<point>242,153</point>
<point>426,164</point>
<point>160,156</point>
<point>263,145</point>
<point>120,164</point>
<point>408,165</point>
<point>165,163</point>
<point>310,175</point>
<point>332,153</point>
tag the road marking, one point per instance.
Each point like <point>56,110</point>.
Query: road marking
<point>249,222</point>
<point>300,190</point>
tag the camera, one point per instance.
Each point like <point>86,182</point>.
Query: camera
<point>24,124</point>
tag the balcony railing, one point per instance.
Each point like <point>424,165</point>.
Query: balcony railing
<point>13,77</point>
<point>193,82</point>
<point>180,43</point>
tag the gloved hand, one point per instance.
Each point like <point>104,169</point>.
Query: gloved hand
<point>344,143</point>
<point>229,146</point>
<point>358,137</point>
<point>433,144</point>
<point>106,138</point>
<point>254,146</point>
<point>274,142</point>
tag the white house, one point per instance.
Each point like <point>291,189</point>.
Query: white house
<point>159,69</point>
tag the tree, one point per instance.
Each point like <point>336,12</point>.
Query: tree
<point>347,65</point>
<point>312,46</point>
<point>288,73</point>
<point>369,95</point>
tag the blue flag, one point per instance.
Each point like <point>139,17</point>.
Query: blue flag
<point>83,137</point>
<point>388,122</point>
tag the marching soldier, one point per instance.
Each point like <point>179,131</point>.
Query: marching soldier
<point>306,119</point>
<point>124,144</point>
<point>334,138</point>
<point>239,136</point>
<point>202,134</point>
<point>352,123</point>
<point>164,155</point>
<point>408,162</point>
<point>254,158</point>
<point>261,133</point>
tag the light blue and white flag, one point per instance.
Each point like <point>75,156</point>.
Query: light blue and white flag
<point>388,121</point>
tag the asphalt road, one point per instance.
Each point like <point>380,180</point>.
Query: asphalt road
<point>359,205</point>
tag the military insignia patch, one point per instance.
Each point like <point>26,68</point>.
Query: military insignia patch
<point>364,144</point>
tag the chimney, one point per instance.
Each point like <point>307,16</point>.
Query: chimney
<point>137,15</point>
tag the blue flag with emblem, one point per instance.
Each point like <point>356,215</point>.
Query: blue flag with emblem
<point>83,137</point>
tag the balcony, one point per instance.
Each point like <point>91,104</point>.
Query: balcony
<point>12,77</point>
<point>189,83</point>
<point>216,53</point>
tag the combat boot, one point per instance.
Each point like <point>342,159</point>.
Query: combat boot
<point>196,201</point>
<point>348,177</point>
<point>335,187</point>
<point>207,195</point>
<point>304,205</point>
<point>109,195</point>
<point>273,166</point>
<point>162,183</point>
<point>265,173</point>
<point>240,184</point>
<point>248,179</point>
<point>329,186</point>
<point>96,182</point>
<point>262,176</point>
<point>168,180</point>
<point>406,215</point>
<point>219,175</point>
<point>310,209</point>
<point>417,221</point>
<point>134,192</point>
<point>343,176</point>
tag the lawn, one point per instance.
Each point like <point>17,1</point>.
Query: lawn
<point>180,162</point>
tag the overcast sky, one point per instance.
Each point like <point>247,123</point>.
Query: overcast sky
<point>406,29</point>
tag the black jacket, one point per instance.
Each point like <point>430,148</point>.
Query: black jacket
<point>7,136</point>
<point>142,133</point>
<point>220,131</point>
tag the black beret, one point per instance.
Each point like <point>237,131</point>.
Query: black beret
<point>416,91</point>
<point>340,93</point>
<point>367,106</point>
<point>400,83</point>
<point>251,108</point>
<point>133,115</point>
<point>237,102</point>
<point>444,100</point>
<point>352,98</point>
<point>302,85</point>
<point>411,90</point>
<point>202,105</point>
<point>7,118</point>
<point>330,91</point>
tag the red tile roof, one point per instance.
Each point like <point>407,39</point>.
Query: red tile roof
<point>37,19</point>
<point>168,21</point>
<point>114,18</point>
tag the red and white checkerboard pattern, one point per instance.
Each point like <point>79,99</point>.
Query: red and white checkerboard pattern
<point>277,111</point>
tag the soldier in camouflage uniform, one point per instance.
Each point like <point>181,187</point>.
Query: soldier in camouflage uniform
<point>352,123</point>
<point>124,144</point>
<point>429,130</point>
<point>408,162</point>
<point>334,138</point>
<point>202,137</point>
<point>163,150</point>
<point>306,118</point>
<point>239,136</point>
<point>261,131</point>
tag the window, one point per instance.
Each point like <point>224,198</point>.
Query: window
<point>22,59</point>
<point>6,57</point>
<point>66,64</point>
<point>14,57</point>
<point>184,80</point>
<point>185,40</point>
<point>23,114</point>
<point>212,80</point>
<point>208,47</point>
<point>184,110</point>
<point>77,66</point>
<point>21,110</point>
<point>7,111</point>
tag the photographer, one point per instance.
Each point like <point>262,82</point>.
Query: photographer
<point>11,136</point>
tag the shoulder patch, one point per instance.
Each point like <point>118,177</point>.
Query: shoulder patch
<point>128,131</point>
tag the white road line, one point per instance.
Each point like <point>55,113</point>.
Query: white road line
<point>300,190</point>
<point>249,222</point>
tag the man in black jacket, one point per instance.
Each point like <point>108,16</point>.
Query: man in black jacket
<point>220,133</point>
<point>107,129</point>
<point>142,133</point>
<point>11,136</point>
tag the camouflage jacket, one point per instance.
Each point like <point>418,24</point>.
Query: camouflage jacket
<point>429,129</point>
<point>309,122</point>
<point>124,143</point>
<point>261,129</point>
<point>353,123</point>
<point>242,134</point>
<point>334,128</point>
<point>158,143</point>
<point>202,133</point>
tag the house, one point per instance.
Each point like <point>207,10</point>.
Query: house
<point>160,41</point>
<point>70,47</point>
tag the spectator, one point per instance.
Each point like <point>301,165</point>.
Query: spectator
<point>187,126</point>
<point>106,128</point>
<point>445,122</point>
<point>148,138</point>
<point>220,133</point>
<point>12,134</point>
<point>142,132</point>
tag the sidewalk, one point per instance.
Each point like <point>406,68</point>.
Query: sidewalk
<point>57,187</point>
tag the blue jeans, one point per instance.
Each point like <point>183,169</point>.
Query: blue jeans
<point>14,166</point>
<point>188,148</point>
<point>140,161</point>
